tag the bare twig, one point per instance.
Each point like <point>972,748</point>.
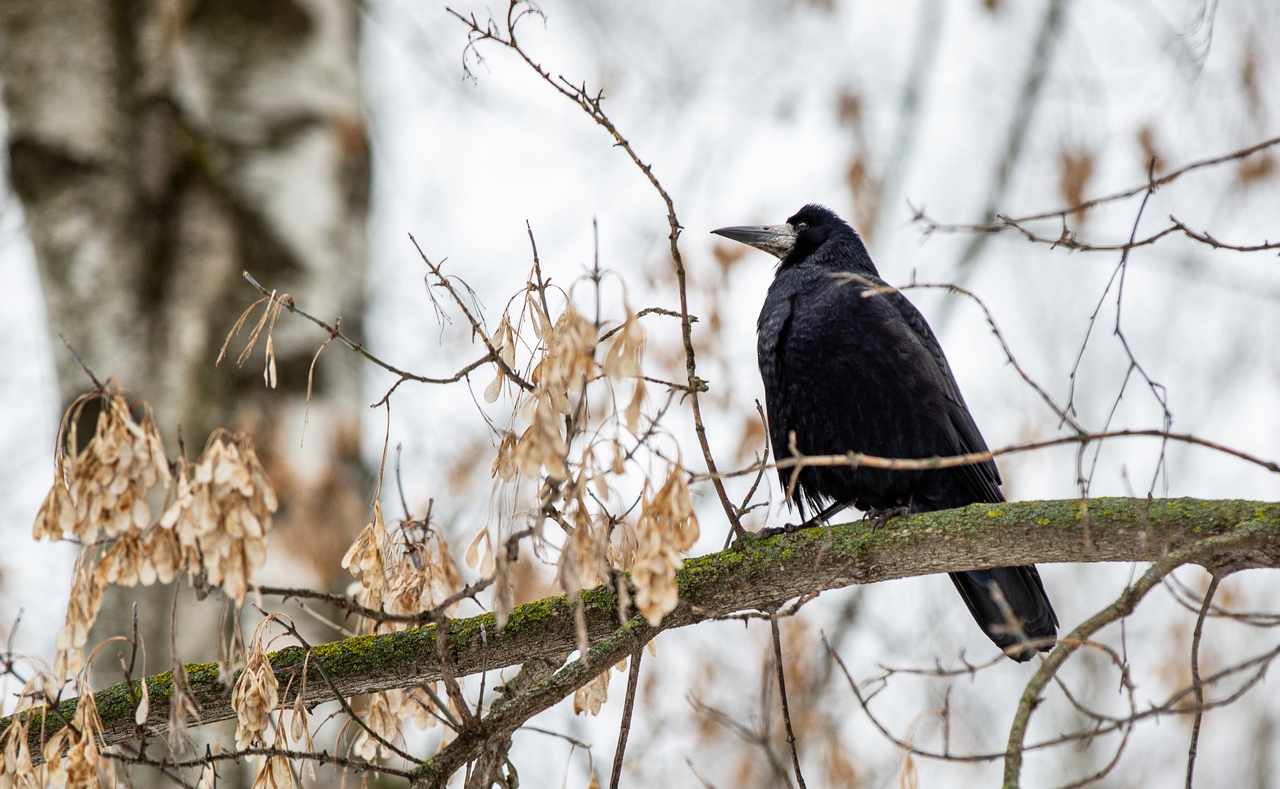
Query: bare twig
<point>75,355</point>
<point>1121,608</point>
<point>592,105</point>
<point>857,459</point>
<point>321,757</point>
<point>1196,684</point>
<point>1007,223</point>
<point>477,325</point>
<point>358,347</point>
<point>782,692</point>
<point>633,680</point>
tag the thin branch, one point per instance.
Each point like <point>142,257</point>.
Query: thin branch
<point>1067,238</point>
<point>1196,683</point>
<point>80,361</point>
<point>857,459</point>
<point>1122,607</point>
<point>1006,223</point>
<point>476,325</point>
<point>591,104</point>
<point>786,709</point>
<point>337,692</point>
<point>321,757</point>
<point>358,347</point>
<point>873,289</point>
<point>628,706</point>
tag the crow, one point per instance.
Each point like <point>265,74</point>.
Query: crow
<point>850,365</point>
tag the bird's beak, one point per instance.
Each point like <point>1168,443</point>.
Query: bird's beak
<point>777,240</point>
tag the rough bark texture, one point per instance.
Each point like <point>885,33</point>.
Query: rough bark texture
<point>753,574</point>
<point>159,149</point>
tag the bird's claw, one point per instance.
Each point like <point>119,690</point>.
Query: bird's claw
<point>881,517</point>
<point>790,528</point>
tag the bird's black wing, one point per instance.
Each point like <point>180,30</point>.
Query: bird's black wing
<point>773,327</point>
<point>1021,588</point>
<point>983,479</point>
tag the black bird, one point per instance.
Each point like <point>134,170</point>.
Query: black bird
<point>849,364</point>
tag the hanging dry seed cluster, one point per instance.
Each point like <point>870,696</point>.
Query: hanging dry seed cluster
<point>556,413</point>
<point>399,573</point>
<point>667,528</point>
<point>222,514</point>
<point>254,698</point>
<point>73,751</point>
<point>71,756</point>
<point>571,445</point>
<point>560,377</point>
<point>102,489</point>
<point>256,692</point>
<point>215,527</point>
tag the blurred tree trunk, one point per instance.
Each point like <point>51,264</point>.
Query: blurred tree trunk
<point>159,147</point>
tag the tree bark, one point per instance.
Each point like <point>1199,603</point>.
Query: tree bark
<point>159,149</point>
<point>754,574</point>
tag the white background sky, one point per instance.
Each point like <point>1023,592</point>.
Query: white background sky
<point>736,107</point>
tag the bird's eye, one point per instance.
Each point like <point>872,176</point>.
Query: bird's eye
<point>803,226</point>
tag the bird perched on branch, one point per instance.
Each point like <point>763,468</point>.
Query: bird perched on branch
<point>850,365</point>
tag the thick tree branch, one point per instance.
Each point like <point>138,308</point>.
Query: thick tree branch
<point>753,574</point>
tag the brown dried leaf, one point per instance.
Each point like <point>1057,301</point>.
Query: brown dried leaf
<point>625,354</point>
<point>365,556</point>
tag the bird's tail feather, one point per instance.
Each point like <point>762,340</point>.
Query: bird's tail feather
<point>1027,603</point>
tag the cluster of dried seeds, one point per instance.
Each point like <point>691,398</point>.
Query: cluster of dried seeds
<point>275,773</point>
<point>382,721</point>
<point>583,560</point>
<point>216,526</point>
<point>72,754</point>
<point>102,488</point>
<point>87,586</point>
<point>597,543</point>
<point>256,693</point>
<point>566,367</point>
<point>667,528</point>
<point>624,359</point>
<point>223,513</point>
<point>403,574</point>
<point>400,575</point>
<point>17,770</point>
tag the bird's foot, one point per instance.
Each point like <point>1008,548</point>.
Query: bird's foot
<point>817,520</point>
<point>790,528</point>
<point>881,517</point>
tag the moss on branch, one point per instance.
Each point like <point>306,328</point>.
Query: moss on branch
<point>752,574</point>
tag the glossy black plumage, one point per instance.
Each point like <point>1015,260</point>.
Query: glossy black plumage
<point>850,365</point>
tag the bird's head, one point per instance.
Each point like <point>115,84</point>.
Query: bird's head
<point>813,234</point>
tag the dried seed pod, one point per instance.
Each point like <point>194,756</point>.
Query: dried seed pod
<point>667,528</point>
<point>256,693</point>
<point>102,488</point>
<point>591,696</point>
